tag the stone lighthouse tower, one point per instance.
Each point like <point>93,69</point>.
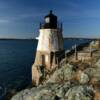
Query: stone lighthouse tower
<point>50,50</point>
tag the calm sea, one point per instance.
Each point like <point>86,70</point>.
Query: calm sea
<point>16,58</point>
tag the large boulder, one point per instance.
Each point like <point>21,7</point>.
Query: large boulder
<point>61,85</point>
<point>65,73</point>
<point>66,91</point>
<point>90,72</point>
<point>46,92</point>
<point>83,78</point>
<point>94,74</point>
<point>79,93</point>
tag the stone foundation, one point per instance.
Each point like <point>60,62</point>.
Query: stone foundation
<point>49,59</point>
<point>45,62</point>
<point>38,74</point>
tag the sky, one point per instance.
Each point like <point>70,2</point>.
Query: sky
<point>21,18</point>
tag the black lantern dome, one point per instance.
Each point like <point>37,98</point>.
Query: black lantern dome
<point>50,21</point>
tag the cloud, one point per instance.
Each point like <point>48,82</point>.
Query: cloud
<point>4,21</point>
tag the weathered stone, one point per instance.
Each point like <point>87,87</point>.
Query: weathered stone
<point>90,71</point>
<point>97,95</point>
<point>94,73</point>
<point>63,74</point>
<point>62,85</point>
<point>83,78</point>
<point>47,92</point>
<point>79,93</point>
<point>38,74</point>
<point>98,63</point>
<point>95,44</point>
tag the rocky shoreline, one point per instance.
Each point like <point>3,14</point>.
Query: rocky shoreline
<point>74,80</point>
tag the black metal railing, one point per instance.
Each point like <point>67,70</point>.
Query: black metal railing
<point>44,25</point>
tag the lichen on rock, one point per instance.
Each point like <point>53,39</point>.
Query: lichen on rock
<point>84,78</point>
<point>68,82</point>
<point>79,93</point>
<point>65,73</point>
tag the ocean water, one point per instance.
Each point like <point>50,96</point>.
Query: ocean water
<point>16,58</point>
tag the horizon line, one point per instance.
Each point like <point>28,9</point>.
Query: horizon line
<point>67,37</point>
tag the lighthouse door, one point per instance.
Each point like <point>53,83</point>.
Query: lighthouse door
<point>43,59</point>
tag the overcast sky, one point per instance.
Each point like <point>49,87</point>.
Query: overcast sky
<point>21,18</point>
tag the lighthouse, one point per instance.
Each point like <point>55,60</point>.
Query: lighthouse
<point>50,49</point>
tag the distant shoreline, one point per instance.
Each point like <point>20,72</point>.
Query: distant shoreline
<point>14,39</point>
<point>36,39</point>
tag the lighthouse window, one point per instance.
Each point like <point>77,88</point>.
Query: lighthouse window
<point>43,59</point>
<point>47,20</point>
